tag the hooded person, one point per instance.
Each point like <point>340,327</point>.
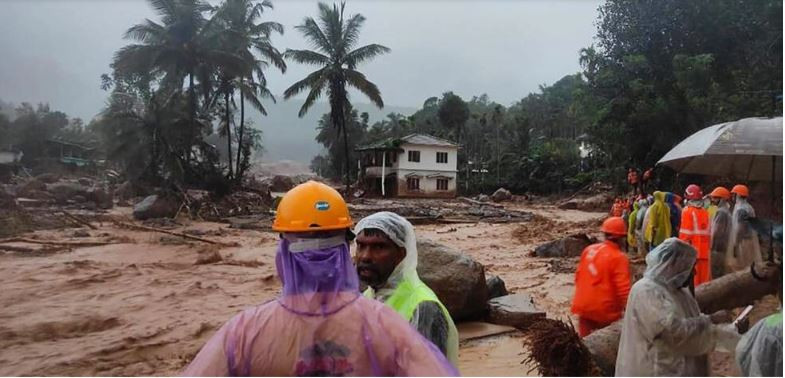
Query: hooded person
<point>720,230</point>
<point>743,245</point>
<point>386,259</point>
<point>696,231</point>
<point>643,207</point>
<point>663,331</point>
<point>320,325</point>
<point>602,280</point>
<point>658,227</point>
<point>632,240</point>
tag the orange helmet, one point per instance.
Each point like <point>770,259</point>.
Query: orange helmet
<point>311,206</point>
<point>720,192</point>
<point>693,192</point>
<point>741,190</point>
<point>614,226</point>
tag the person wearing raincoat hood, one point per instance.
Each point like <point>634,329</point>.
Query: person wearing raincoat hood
<point>386,259</point>
<point>643,207</point>
<point>658,226</point>
<point>720,230</point>
<point>663,331</point>
<point>743,246</point>
<point>320,325</point>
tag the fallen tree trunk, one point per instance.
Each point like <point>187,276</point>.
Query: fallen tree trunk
<point>54,242</point>
<point>180,234</point>
<point>725,293</point>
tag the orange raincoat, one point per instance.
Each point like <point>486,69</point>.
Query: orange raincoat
<point>602,282</point>
<point>696,230</point>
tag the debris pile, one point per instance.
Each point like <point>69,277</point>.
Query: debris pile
<point>557,350</point>
<point>428,211</point>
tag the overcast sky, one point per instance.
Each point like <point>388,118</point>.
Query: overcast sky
<point>55,50</point>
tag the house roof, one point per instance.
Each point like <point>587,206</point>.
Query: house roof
<point>384,144</point>
<point>418,139</point>
<point>427,140</point>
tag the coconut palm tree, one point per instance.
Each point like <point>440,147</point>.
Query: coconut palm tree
<point>242,36</point>
<point>173,49</point>
<point>333,39</point>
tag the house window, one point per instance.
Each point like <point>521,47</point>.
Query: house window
<point>441,184</point>
<point>441,157</point>
<point>413,183</point>
<point>414,156</point>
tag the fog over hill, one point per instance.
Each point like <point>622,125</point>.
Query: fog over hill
<point>288,137</point>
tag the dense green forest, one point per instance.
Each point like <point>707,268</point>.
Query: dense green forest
<point>658,71</point>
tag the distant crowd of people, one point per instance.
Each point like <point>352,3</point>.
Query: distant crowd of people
<point>686,241</point>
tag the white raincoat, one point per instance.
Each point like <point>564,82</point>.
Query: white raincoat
<point>663,331</point>
<point>759,353</point>
<point>743,246</point>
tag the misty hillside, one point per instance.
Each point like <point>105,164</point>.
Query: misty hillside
<point>288,137</point>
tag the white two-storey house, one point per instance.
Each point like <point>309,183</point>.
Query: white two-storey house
<point>417,165</point>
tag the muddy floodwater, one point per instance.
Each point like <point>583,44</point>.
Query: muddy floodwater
<point>142,305</point>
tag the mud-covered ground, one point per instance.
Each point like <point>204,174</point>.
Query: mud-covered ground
<point>144,306</point>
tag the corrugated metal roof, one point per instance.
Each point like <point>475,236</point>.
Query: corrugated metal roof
<point>427,140</point>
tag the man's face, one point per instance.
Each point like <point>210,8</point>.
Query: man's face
<point>715,200</point>
<point>376,257</point>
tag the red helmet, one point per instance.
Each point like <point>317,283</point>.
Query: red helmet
<point>693,192</point>
<point>614,226</point>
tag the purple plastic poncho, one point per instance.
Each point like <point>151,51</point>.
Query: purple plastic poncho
<point>319,326</point>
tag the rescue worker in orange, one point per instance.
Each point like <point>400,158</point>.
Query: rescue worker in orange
<point>602,280</point>
<point>695,230</point>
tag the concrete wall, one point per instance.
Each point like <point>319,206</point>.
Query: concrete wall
<point>428,158</point>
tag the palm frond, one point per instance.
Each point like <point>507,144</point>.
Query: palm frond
<point>331,26</point>
<point>267,28</point>
<point>351,30</point>
<point>357,80</point>
<point>167,9</point>
<point>272,54</point>
<point>250,96</point>
<point>135,58</point>
<point>313,95</point>
<point>367,52</point>
<point>148,32</point>
<point>310,81</point>
<point>307,57</point>
<point>315,35</point>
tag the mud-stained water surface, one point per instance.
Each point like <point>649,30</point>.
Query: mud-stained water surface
<point>146,303</point>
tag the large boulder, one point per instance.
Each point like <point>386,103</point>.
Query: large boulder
<point>281,183</point>
<point>599,202</point>
<point>456,278</point>
<point>570,246</point>
<point>516,310</point>
<point>156,206</point>
<point>65,191</point>
<point>501,194</point>
<point>103,199</point>
<point>496,287</point>
<point>30,186</point>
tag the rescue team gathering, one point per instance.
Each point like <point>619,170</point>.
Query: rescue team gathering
<point>323,325</point>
